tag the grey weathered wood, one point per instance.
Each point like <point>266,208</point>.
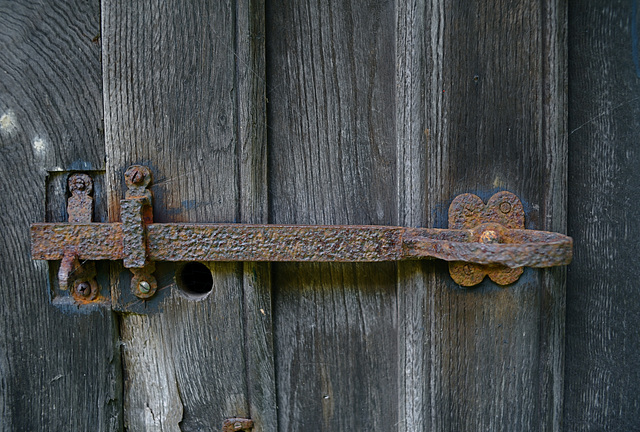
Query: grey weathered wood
<point>59,369</point>
<point>332,161</point>
<point>480,107</point>
<point>368,125</point>
<point>252,142</point>
<point>603,361</point>
<point>184,94</point>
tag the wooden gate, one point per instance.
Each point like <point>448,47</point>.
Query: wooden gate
<point>301,112</point>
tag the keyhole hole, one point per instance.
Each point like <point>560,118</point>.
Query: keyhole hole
<point>195,279</point>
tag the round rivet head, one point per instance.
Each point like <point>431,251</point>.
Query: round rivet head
<point>80,182</point>
<point>144,287</point>
<point>505,207</point>
<point>489,237</point>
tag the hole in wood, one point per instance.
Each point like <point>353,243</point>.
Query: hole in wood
<point>195,279</point>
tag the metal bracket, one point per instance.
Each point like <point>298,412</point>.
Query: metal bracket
<point>482,239</point>
<point>495,222</point>
<point>137,213</point>
<point>80,277</point>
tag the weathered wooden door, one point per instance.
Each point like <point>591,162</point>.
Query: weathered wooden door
<point>296,112</point>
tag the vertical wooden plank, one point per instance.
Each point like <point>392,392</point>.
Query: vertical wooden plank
<point>59,369</point>
<point>418,49</point>
<point>554,206</point>
<point>331,154</point>
<point>252,134</point>
<point>602,362</point>
<point>480,92</point>
<point>184,94</point>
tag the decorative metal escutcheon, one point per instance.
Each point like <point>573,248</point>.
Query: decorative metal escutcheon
<point>482,240</point>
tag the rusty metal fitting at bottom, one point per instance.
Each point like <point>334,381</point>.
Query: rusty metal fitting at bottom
<point>143,284</point>
<point>237,424</point>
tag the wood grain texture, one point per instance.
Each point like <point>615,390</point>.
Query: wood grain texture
<point>332,161</point>
<point>59,369</point>
<point>184,95</point>
<point>252,142</point>
<point>480,108</point>
<point>603,340</point>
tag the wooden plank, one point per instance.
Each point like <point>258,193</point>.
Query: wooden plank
<point>181,81</point>
<point>331,154</point>
<point>417,49</point>
<point>253,208</point>
<point>602,361</point>
<point>58,368</point>
<point>480,108</point>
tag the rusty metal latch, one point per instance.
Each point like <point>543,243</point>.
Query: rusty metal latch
<point>482,239</point>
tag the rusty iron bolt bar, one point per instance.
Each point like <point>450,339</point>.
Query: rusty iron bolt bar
<point>239,242</point>
<point>482,240</point>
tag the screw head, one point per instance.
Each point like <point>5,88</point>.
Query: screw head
<point>467,269</point>
<point>505,207</point>
<point>83,289</point>
<point>144,287</point>
<point>237,425</point>
<point>137,176</point>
